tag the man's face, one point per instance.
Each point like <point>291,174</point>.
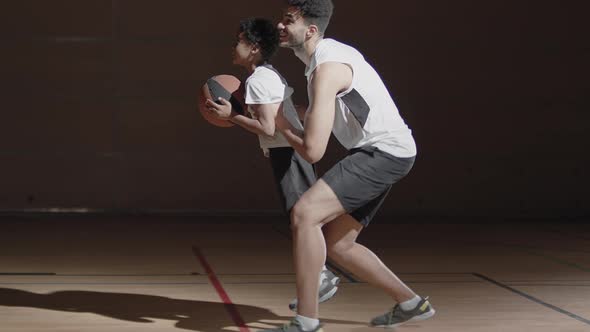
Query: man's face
<point>242,51</point>
<point>292,29</point>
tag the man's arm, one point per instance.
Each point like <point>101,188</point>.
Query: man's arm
<point>327,81</point>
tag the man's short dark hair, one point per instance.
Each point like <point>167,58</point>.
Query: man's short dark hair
<point>316,12</point>
<point>263,33</point>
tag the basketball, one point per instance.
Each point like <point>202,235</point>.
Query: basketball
<point>225,86</point>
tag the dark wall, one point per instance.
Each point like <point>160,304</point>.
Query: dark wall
<point>99,104</point>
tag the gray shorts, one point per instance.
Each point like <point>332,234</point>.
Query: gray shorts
<point>293,175</point>
<point>362,180</point>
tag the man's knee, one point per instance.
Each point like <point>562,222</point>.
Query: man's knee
<point>301,215</point>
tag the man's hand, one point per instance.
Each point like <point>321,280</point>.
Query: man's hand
<point>223,111</point>
<point>301,110</point>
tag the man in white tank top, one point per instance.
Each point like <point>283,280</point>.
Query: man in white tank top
<point>348,98</point>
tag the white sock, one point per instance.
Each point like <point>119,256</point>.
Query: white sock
<point>324,268</point>
<point>410,304</point>
<point>307,324</point>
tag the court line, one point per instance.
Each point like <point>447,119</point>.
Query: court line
<point>432,273</point>
<point>555,259</point>
<point>532,298</point>
<point>226,283</point>
<point>104,283</point>
<point>358,283</point>
<point>547,280</point>
<point>130,275</point>
<point>529,247</point>
<point>255,274</point>
<point>192,274</point>
<point>27,274</point>
<point>527,250</point>
<point>531,250</point>
<point>341,271</point>
<point>229,306</point>
<point>550,285</point>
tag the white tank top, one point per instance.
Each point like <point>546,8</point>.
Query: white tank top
<point>366,115</point>
<point>266,86</point>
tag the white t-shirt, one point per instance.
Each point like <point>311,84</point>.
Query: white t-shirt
<point>267,86</point>
<point>366,115</point>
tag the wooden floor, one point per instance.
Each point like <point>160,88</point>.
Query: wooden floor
<point>164,274</point>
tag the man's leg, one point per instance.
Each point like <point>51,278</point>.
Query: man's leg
<point>360,182</point>
<point>341,235</point>
<point>316,207</point>
<point>357,182</point>
<point>293,176</point>
<point>320,206</point>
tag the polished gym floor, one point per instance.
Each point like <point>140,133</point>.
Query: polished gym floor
<point>235,274</point>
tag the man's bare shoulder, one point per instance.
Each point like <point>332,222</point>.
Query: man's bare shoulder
<point>337,74</point>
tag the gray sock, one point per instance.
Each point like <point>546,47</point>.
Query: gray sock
<point>410,304</point>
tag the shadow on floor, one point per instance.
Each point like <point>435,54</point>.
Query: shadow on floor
<point>188,314</point>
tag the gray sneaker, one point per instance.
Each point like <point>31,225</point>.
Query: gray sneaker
<point>328,288</point>
<point>396,316</point>
<point>292,327</point>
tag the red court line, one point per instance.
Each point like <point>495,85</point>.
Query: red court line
<point>229,306</point>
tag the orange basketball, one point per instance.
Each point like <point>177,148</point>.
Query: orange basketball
<point>225,86</point>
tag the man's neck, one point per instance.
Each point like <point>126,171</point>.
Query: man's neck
<point>305,52</point>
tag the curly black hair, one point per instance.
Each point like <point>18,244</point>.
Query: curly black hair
<point>317,12</point>
<point>263,33</point>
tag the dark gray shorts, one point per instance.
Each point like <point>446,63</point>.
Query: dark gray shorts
<point>293,175</point>
<point>362,180</point>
